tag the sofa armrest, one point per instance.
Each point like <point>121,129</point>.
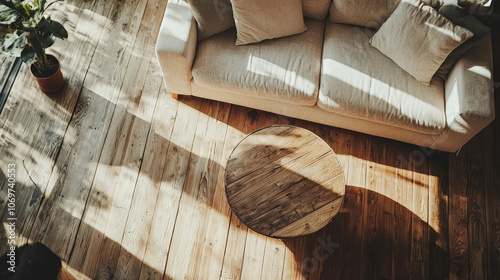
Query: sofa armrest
<point>176,46</point>
<point>469,97</point>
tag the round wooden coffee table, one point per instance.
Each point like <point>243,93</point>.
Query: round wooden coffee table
<point>284,181</point>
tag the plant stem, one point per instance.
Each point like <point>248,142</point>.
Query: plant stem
<point>45,62</point>
<point>43,65</point>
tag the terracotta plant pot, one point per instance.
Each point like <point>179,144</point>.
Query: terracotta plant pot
<point>50,84</point>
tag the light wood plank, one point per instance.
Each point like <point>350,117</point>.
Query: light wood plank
<point>131,124</point>
<point>255,248</point>
<point>119,30</point>
<point>217,236</point>
<point>71,180</point>
<point>198,193</point>
<point>140,214</point>
<point>139,223</point>
<point>274,258</point>
<point>235,249</point>
<point>171,186</point>
<point>125,126</point>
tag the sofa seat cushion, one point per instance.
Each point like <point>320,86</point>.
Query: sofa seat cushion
<point>357,80</point>
<point>285,69</point>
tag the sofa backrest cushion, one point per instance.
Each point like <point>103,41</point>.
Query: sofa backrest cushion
<point>316,9</point>
<point>215,16</point>
<point>258,20</point>
<point>367,13</point>
<point>212,16</point>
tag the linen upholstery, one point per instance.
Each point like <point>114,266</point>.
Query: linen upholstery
<point>365,13</point>
<point>176,46</point>
<point>285,69</point>
<point>212,16</point>
<point>418,39</point>
<point>469,89</point>
<point>470,104</point>
<point>215,16</point>
<point>258,20</point>
<point>316,9</point>
<point>459,16</point>
<point>317,115</point>
<point>357,80</point>
<point>361,12</point>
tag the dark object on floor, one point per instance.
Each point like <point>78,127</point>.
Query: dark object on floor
<point>33,261</point>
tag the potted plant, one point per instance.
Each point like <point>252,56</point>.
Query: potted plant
<point>26,32</point>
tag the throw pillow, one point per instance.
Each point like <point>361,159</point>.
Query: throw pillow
<point>418,39</point>
<point>212,16</point>
<point>258,20</point>
<point>365,13</point>
<point>459,16</point>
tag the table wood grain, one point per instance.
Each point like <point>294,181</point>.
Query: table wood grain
<point>284,181</point>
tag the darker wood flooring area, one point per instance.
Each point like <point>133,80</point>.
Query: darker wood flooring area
<point>124,182</point>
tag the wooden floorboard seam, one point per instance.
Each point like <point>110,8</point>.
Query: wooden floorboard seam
<point>180,197</point>
<point>163,169</point>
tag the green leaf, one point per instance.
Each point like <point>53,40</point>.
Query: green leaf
<point>57,28</point>
<point>27,8</point>
<point>48,39</point>
<point>30,23</point>
<point>16,5</point>
<point>8,15</point>
<point>15,43</point>
<point>28,56</point>
<point>42,24</point>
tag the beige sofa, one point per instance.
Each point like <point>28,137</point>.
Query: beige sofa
<point>329,74</point>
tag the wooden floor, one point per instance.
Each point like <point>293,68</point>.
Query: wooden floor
<point>121,180</point>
